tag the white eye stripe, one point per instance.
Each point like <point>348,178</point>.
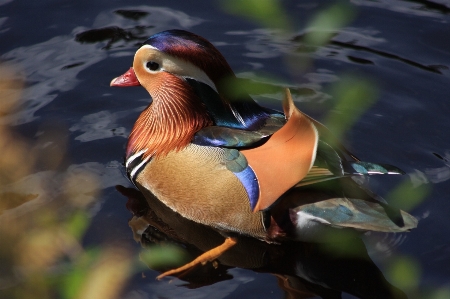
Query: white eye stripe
<point>151,47</point>
<point>175,66</point>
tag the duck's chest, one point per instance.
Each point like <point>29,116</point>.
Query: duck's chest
<point>196,183</point>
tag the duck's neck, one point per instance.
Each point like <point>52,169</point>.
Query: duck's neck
<point>169,122</point>
<point>239,113</point>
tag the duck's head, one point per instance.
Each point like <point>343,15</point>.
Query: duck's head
<point>171,55</point>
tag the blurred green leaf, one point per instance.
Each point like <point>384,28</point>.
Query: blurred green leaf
<point>158,256</point>
<point>443,293</point>
<point>269,13</point>
<point>353,96</point>
<point>405,196</point>
<point>342,243</point>
<point>326,23</point>
<point>239,87</point>
<point>404,273</point>
<point>77,224</point>
<point>71,282</point>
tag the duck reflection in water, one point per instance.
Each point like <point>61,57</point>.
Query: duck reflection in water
<point>303,270</point>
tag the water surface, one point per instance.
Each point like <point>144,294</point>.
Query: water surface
<point>69,51</point>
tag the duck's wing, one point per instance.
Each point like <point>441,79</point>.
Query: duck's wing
<point>331,163</point>
<point>287,156</point>
<point>280,153</point>
<point>227,137</point>
<point>338,204</point>
<point>355,213</point>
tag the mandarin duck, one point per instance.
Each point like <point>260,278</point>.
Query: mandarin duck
<point>224,161</point>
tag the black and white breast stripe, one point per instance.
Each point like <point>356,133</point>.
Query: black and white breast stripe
<point>134,164</point>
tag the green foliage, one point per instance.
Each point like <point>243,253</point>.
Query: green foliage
<point>269,13</point>
<point>77,224</point>
<point>404,272</point>
<point>326,23</point>
<point>77,272</point>
<point>159,256</point>
<point>442,293</point>
<point>352,97</point>
<point>406,197</point>
<point>240,88</point>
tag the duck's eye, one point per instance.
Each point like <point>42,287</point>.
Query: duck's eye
<point>153,66</point>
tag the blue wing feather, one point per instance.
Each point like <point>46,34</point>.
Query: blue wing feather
<point>250,183</point>
<point>227,137</point>
<point>219,136</point>
<point>237,163</point>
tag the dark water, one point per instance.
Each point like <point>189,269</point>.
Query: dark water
<point>68,51</point>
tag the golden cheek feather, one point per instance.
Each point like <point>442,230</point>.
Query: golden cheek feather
<point>172,119</point>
